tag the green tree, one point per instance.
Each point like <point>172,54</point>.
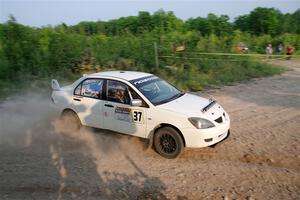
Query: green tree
<point>200,24</point>
<point>260,21</point>
<point>20,47</point>
<point>65,51</point>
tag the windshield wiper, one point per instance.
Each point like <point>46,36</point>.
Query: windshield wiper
<point>176,96</point>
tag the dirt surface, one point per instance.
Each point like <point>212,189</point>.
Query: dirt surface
<point>261,159</point>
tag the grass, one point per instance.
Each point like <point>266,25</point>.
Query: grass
<point>198,76</point>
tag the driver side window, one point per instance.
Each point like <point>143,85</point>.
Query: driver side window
<point>117,92</point>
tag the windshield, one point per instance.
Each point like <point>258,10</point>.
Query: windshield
<point>156,90</point>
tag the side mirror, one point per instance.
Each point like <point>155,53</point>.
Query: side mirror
<point>136,102</point>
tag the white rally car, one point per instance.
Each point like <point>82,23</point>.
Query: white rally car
<point>143,105</point>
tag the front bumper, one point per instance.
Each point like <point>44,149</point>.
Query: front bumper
<point>196,138</point>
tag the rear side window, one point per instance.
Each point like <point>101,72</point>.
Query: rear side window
<point>78,90</point>
<point>90,88</point>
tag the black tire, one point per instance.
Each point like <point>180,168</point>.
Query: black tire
<point>168,143</point>
<point>71,121</point>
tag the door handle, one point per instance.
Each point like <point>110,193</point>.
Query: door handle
<point>76,99</point>
<point>109,105</point>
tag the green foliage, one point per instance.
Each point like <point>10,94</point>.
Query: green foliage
<point>32,55</point>
<point>65,51</point>
<point>213,24</point>
<point>268,21</point>
<point>19,49</point>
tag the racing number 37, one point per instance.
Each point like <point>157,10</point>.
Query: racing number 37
<point>137,116</point>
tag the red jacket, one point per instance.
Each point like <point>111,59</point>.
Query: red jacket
<point>290,50</point>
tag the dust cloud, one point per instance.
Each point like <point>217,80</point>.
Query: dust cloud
<point>22,119</point>
<point>30,124</point>
<point>21,116</point>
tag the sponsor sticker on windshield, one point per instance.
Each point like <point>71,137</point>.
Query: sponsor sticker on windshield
<point>143,81</point>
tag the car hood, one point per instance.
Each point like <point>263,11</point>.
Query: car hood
<point>191,106</point>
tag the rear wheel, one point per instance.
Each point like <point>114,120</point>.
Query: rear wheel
<point>168,143</point>
<point>71,121</point>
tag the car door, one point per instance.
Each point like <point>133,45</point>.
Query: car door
<point>88,102</point>
<point>119,115</point>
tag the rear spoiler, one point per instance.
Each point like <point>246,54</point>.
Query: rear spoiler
<point>211,103</point>
<point>55,85</point>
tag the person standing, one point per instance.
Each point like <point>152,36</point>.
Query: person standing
<point>289,52</point>
<point>269,50</point>
<point>280,49</point>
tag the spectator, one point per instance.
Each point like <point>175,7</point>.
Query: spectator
<point>269,50</point>
<point>280,49</point>
<point>289,52</point>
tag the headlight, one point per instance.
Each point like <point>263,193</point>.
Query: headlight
<point>201,123</point>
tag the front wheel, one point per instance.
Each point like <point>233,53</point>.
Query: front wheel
<point>168,143</point>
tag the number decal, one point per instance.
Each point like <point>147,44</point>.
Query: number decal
<point>137,116</point>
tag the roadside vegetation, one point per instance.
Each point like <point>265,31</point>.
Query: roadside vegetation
<point>30,56</point>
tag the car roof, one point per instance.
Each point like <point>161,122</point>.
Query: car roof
<point>126,75</point>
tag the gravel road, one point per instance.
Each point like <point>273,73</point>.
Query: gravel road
<point>260,160</point>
